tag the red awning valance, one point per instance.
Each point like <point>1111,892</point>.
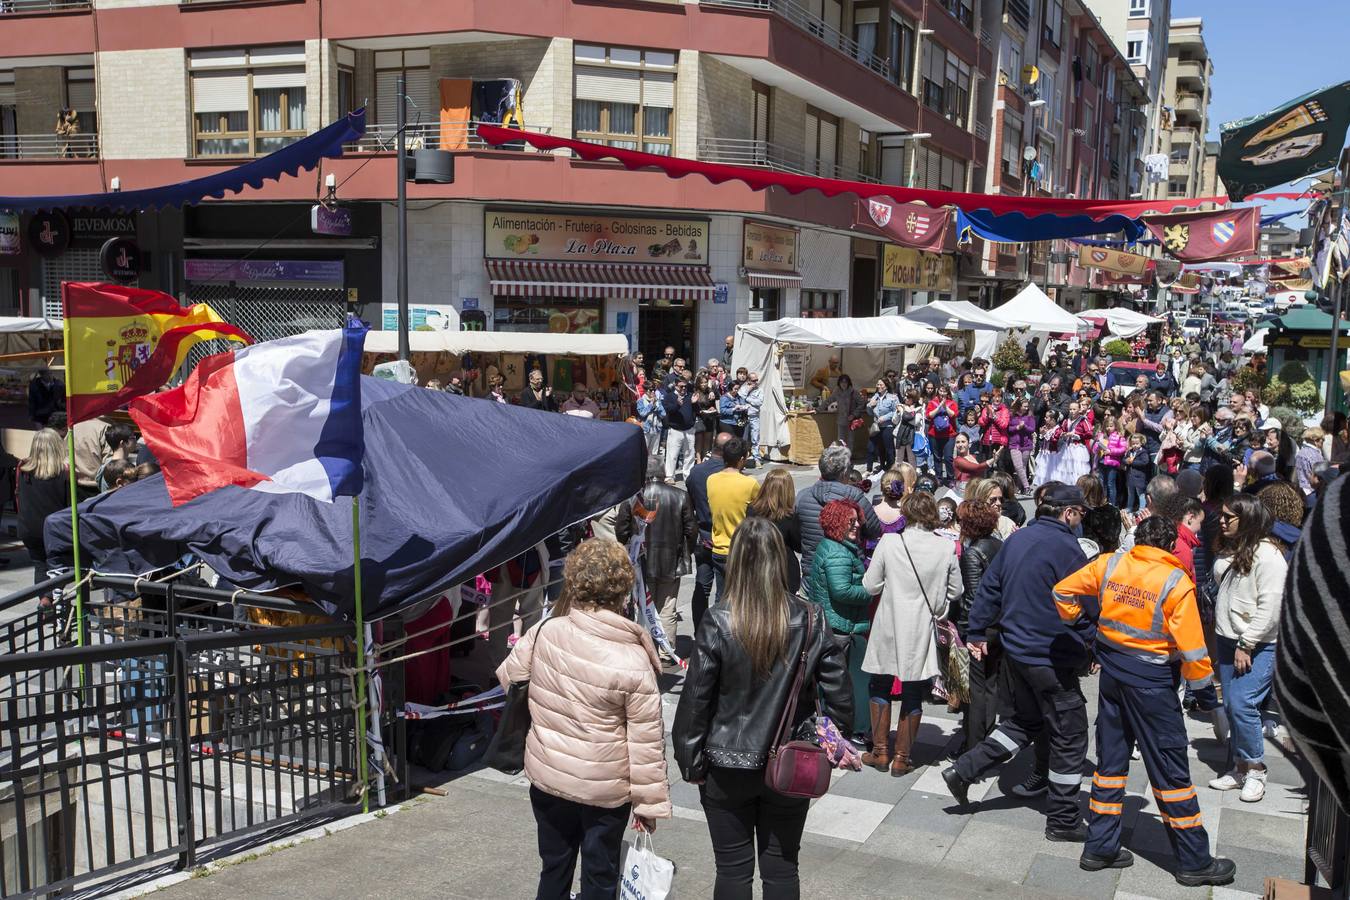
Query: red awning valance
<point>772,279</point>
<point>592,280</point>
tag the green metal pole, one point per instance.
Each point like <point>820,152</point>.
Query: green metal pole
<point>74,496</point>
<point>362,758</point>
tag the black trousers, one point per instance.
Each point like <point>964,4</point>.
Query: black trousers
<point>747,821</point>
<point>704,578</point>
<point>565,828</point>
<point>981,713</point>
<point>1046,700</point>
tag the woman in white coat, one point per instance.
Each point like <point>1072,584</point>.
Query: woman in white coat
<point>917,575</point>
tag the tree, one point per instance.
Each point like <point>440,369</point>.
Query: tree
<point>1011,358</point>
<point>1293,387</point>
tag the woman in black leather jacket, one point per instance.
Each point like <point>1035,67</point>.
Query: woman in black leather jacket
<point>978,549</point>
<point>734,696</point>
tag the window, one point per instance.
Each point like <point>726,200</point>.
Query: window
<point>1089,123</point>
<point>865,164</point>
<point>902,52</point>
<point>1054,21</point>
<point>625,98</point>
<point>760,101</point>
<point>952,174</point>
<point>1011,63</point>
<point>345,58</point>
<point>80,96</point>
<point>822,143</point>
<point>1176,187</point>
<point>963,10</point>
<point>1136,45</point>
<point>415,67</point>
<point>1138,9</point>
<point>1090,64</point>
<point>247,102</point>
<point>1045,155</point>
<point>1111,84</point>
<point>1012,143</point>
<point>865,33</point>
<point>820,304</point>
<point>946,83</point>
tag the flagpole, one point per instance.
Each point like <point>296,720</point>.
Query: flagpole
<point>362,759</point>
<point>74,496</point>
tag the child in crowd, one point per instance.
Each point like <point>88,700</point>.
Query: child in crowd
<point>1137,465</point>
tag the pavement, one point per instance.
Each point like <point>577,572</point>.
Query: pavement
<point>871,836</point>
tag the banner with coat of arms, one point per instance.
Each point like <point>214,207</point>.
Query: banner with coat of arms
<point>1117,261</point>
<point>907,224</point>
<point>1206,236</point>
<point>1299,138</point>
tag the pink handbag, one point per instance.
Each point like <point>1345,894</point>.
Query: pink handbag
<point>797,768</point>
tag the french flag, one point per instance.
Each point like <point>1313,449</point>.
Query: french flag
<point>282,416</point>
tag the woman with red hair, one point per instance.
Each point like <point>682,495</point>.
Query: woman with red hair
<point>835,585</point>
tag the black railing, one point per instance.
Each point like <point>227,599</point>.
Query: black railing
<point>1328,841</point>
<point>177,732</point>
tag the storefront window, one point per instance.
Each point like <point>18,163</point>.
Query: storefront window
<point>545,315</point>
<point>764,304</point>
<point>820,304</point>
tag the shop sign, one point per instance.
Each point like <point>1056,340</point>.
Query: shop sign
<point>335,221</point>
<point>579,238</point>
<point>9,234</point>
<point>468,302</point>
<point>906,268</point>
<point>328,272</point>
<point>721,292</point>
<point>120,258</point>
<point>770,249</point>
<point>434,317</point>
<point>49,233</point>
<point>1315,342</point>
<point>91,229</point>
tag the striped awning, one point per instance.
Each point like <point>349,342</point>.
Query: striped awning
<point>633,281</point>
<point>773,279</point>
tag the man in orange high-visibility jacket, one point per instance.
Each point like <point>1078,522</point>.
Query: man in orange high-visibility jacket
<point>1138,611</point>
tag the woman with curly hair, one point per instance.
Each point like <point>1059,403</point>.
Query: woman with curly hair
<point>596,748</point>
<point>1250,571</point>
<point>835,585</point>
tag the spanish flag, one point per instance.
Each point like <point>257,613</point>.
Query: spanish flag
<point>124,342</point>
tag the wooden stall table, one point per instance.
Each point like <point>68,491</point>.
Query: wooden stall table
<point>809,433</point>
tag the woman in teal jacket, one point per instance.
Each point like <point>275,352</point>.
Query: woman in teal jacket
<point>835,584</point>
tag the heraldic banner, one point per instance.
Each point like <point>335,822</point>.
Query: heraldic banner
<point>907,224</point>
<point>1201,237</point>
<point>124,342</point>
<point>1299,138</point>
<point>1117,261</point>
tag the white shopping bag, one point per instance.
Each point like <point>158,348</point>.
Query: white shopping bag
<point>645,875</point>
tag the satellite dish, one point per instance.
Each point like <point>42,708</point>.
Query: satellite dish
<point>1028,153</point>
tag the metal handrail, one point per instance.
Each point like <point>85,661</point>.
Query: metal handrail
<point>768,155</point>
<point>49,146</point>
<point>808,21</point>
<point>383,138</point>
<point>20,7</point>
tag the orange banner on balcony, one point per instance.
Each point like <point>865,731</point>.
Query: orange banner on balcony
<point>456,111</point>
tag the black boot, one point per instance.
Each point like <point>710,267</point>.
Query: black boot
<point>1076,834</point>
<point>1090,863</point>
<point>1220,871</point>
<point>959,787</point>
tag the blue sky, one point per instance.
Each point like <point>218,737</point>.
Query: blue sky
<point>1266,53</point>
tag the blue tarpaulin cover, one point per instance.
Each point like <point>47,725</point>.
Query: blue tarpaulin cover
<point>304,154</point>
<point>1015,227</point>
<point>454,486</point>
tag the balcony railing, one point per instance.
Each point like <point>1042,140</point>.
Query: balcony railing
<point>22,7</point>
<point>810,22</point>
<point>982,131</point>
<point>766,155</point>
<point>429,135</point>
<point>48,146</point>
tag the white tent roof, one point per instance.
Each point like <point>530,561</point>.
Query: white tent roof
<point>461,342</point>
<point>956,314</point>
<point>1032,310</point>
<point>879,331</point>
<point>35,326</point>
<point>1121,322</point>
<point>1257,342</point>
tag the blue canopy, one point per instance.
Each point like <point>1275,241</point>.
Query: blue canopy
<point>304,154</point>
<point>454,486</point>
<point>1016,228</point>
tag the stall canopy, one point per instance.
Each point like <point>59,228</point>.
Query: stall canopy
<point>757,346</point>
<point>304,154</point>
<point>462,342</point>
<point>453,487</point>
<point>1124,323</point>
<point>962,315</point>
<point>1033,310</point>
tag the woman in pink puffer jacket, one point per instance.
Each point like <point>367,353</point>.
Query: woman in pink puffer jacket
<point>596,747</point>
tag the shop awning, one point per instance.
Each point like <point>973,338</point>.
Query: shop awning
<point>633,281</point>
<point>773,279</point>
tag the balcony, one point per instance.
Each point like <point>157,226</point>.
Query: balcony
<point>812,24</point>
<point>1189,103</point>
<point>29,7</point>
<point>1191,70</point>
<point>768,155</point>
<point>428,136</point>
<point>48,147</point>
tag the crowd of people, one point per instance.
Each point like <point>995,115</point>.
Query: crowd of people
<point>1163,513</point>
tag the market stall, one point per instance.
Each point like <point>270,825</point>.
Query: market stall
<point>798,360</point>
<point>594,361</point>
<point>1120,322</point>
<point>1039,316</point>
<point>963,321</point>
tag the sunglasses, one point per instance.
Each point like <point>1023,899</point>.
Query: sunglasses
<point>1227,516</point>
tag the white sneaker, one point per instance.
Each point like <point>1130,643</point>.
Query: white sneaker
<point>1254,787</point>
<point>1230,782</point>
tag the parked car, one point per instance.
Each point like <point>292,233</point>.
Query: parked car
<point>1194,327</point>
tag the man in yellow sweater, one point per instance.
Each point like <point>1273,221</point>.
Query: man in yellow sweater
<point>730,492</point>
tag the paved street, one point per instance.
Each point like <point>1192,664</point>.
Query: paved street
<point>870,836</point>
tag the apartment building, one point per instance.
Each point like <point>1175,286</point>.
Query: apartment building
<point>1066,123</point>
<point>1187,93</point>
<point>165,91</point>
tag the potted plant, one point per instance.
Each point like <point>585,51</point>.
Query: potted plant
<point>1118,349</point>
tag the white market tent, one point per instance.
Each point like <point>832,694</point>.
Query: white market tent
<point>462,342</point>
<point>1257,342</point>
<point>1121,322</point>
<point>962,315</point>
<point>1033,310</point>
<point>757,350</point>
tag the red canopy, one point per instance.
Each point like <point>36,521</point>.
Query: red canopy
<point>762,179</point>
